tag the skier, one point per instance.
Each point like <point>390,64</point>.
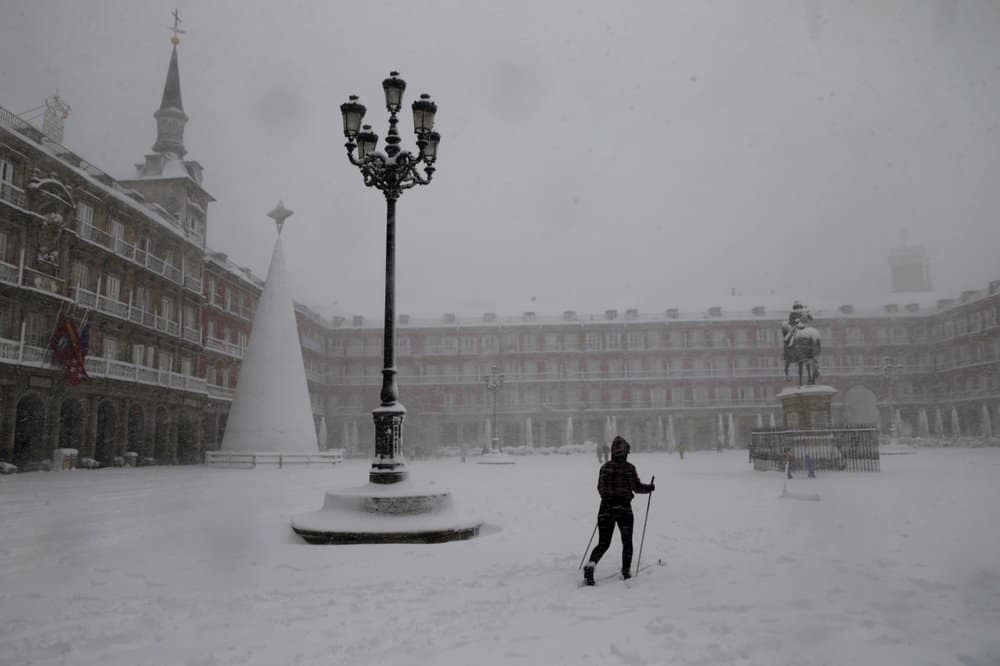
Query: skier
<point>616,482</point>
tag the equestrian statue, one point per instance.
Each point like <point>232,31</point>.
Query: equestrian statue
<point>801,344</point>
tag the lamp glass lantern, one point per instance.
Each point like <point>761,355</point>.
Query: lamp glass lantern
<point>367,140</point>
<point>423,114</point>
<point>393,87</point>
<point>353,112</point>
<point>429,147</point>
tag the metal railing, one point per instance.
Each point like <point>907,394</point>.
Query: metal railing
<point>12,194</point>
<point>847,448</point>
<point>43,282</point>
<point>9,273</point>
<point>280,459</point>
<point>223,346</point>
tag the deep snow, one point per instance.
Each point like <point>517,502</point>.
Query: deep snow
<point>198,566</point>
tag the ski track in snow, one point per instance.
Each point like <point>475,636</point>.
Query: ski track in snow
<point>198,567</point>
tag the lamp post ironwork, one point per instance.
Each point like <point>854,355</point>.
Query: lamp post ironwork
<point>891,371</point>
<point>494,381</point>
<point>392,172</point>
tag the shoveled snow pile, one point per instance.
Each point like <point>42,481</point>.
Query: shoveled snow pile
<point>196,566</point>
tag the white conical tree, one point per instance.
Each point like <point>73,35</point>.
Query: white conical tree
<point>271,411</point>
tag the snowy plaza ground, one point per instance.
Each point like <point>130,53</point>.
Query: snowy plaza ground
<point>198,567</point>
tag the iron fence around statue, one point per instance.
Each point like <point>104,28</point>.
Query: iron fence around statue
<point>850,448</point>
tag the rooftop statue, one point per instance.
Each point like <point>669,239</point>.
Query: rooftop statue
<point>801,343</point>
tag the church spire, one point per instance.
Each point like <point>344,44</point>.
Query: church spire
<point>170,118</point>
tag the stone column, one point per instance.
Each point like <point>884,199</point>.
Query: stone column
<point>172,420</point>
<point>53,421</point>
<point>7,424</point>
<point>89,443</point>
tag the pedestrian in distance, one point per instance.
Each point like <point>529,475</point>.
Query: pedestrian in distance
<point>616,483</point>
<point>680,449</point>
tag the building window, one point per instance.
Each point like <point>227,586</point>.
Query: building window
<point>81,275</point>
<point>593,341</point>
<point>167,308</point>
<point>113,287</point>
<point>210,328</point>
<point>765,337</point>
<point>613,340</point>
<point>6,171</point>
<point>210,374</point>
<point>225,377</point>
<point>111,348</point>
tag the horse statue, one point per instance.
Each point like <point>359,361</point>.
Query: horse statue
<point>802,347</point>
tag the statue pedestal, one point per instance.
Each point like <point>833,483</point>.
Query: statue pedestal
<point>808,407</point>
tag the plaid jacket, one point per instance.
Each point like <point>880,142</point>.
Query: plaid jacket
<point>618,480</point>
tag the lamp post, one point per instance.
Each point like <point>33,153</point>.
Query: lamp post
<point>494,381</point>
<point>891,372</point>
<point>391,172</point>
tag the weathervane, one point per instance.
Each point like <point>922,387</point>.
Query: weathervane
<point>279,215</point>
<point>175,40</point>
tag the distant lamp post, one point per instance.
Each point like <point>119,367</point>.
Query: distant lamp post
<point>494,381</point>
<point>891,372</point>
<point>391,172</point>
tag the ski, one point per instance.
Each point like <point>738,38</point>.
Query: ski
<point>618,575</point>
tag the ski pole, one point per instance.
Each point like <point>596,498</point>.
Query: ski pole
<point>588,546</point>
<point>638,561</point>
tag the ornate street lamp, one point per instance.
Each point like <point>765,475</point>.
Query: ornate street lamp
<point>494,381</point>
<point>391,172</point>
<point>891,372</point>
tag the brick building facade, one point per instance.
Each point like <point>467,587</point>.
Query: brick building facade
<point>710,373</point>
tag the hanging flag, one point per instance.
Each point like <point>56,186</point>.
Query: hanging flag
<point>85,339</point>
<point>66,348</point>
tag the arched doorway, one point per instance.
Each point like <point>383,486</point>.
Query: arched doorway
<point>72,419</point>
<point>187,446</point>
<point>161,438</point>
<point>860,406</point>
<point>29,431</point>
<point>208,433</point>
<point>136,430</point>
<point>104,446</point>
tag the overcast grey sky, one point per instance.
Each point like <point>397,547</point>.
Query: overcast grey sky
<point>594,154</point>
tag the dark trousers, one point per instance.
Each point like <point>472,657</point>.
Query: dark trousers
<point>608,516</point>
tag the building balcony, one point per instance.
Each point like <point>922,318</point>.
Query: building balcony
<point>220,392</point>
<point>18,353</point>
<point>136,255</point>
<point>39,281</point>
<point>192,335</point>
<point>9,274</point>
<point>14,195</point>
<point>132,313</point>
<point>223,347</point>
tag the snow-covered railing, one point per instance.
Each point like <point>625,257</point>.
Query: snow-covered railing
<point>222,392</point>
<point>851,448</point>
<point>331,457</point>
<point>8,273</point>
<point>43,282</point>
<point>223,346</point>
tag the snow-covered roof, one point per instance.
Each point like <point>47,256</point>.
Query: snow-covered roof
<point>98,180</point>
<point>242,273</point>
<point>900,309</point>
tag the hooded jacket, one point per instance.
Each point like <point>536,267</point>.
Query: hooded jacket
<point>618,479</point>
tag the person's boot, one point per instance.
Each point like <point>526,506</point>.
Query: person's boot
<point>626,573</point>
<point>588,573</point>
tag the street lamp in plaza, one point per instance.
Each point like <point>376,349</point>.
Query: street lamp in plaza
<point>392,172</point>
<point>891,372</point>
<point>494,381</point>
